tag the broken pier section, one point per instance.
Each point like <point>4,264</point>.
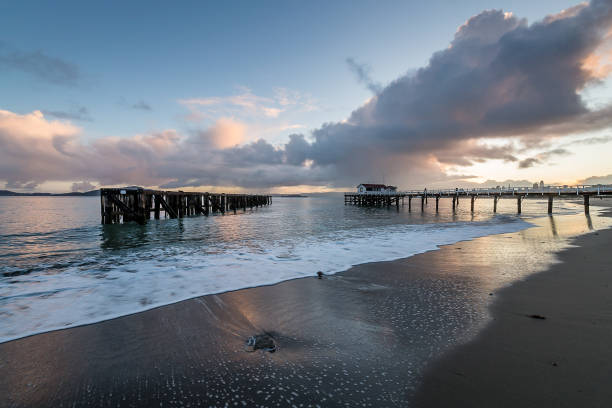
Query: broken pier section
<point>119,205</point>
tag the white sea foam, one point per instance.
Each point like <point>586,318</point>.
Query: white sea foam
<point>44,302</point>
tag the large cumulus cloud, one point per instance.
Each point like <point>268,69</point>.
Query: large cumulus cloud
<point>499,78</point>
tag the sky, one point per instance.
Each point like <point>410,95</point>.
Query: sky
<point>294,96</point>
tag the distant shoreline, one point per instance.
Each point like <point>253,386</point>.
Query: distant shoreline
<point>92,193</point>
<point>96,193</point>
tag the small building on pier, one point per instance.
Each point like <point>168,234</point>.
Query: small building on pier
<point>375,189</point>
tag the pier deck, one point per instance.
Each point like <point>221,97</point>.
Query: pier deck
<point>519,193</point>
<point>127,204</point>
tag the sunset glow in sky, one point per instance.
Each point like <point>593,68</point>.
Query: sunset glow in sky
<point>310,96</point>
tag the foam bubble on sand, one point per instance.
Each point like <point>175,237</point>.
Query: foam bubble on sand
<point>82,295</point>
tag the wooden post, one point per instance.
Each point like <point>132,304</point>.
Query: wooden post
<point>472,203</point>
<point>586,203</point>
<point>157,207</point>
<point>495,198</point>
<point>518,204</point>
<point>437,202</point>
<point>550,203</point>
<point>454,202</point>
<point>422,203</point>
<point>409,203</point>
<point>102,206</point>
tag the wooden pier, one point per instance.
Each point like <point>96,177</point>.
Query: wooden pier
<point>389,199</point>
<point>121,205</point>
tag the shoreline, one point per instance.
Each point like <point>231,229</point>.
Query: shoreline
<point>355,324</point>
<point>546,345</point>
<point>484,229</point>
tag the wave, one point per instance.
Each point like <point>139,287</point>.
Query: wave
<point>108,289</point>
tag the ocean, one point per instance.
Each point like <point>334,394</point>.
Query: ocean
<point>60,268</point>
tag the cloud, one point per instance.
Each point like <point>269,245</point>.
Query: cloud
<point>542,158</point>
<point>81,114</point>
<point>529,162</point>
<point>248,105</point>
<point>142,105</point>
<point>223,134</point>
<point>83,186</point>
<point>500,77</point>
<point>36,149</point>
<point>590,141</point>
<point>362,71</point>
<point>38,64</point>
<point>597,180</point>
<point>21,186</point>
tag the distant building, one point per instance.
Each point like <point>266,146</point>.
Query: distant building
<point>375,189</point>
<point>535,185</point>
<point>541,183</point>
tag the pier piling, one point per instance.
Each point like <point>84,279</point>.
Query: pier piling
<point>550,204</point>
<point>121,205</point>
<point>387,199</point>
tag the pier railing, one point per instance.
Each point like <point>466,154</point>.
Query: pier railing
<point>601,189</point>
<point>389,198</point>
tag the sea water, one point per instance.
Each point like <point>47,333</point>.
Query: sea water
<point>60,268</point>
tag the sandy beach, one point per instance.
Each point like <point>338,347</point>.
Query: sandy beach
<point>364,337</point>
<point>548,344</point>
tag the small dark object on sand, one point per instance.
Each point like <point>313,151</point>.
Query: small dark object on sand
<point>554,363</point>
<point>320,274</point>
<point>261,342</point>
<point>537,316</point>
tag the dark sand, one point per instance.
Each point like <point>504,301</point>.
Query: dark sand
<point>359,338</point>
<point>520,361</point>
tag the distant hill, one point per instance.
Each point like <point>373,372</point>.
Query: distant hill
<point>7,193</point>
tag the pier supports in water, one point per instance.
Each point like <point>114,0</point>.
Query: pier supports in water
<point>375,200</point>
<point>550,204</point>
<point>136,204</point>
<point>386,199</point>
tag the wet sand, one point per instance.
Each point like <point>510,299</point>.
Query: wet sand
<point>359,338</point>
<point>564,360</point>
